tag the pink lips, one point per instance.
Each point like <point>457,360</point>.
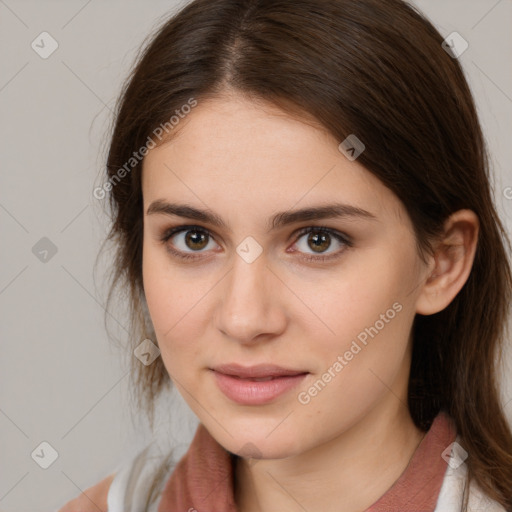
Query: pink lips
<point>256,385</point>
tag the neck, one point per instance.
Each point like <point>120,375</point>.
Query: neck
<point>349,472</point>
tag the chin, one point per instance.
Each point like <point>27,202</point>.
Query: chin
<point>257,439</point>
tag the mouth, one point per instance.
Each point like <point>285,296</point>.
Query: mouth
<point>256,385</point>
<point>254,379</point>
<point>260,371</point>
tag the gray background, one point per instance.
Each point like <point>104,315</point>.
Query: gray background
<point>61,380</point>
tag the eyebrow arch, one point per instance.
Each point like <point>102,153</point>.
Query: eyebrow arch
<point>336,210</point>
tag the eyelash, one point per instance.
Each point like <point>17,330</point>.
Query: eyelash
<point>344,239</point>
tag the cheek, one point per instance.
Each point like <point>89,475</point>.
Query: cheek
<point>359,366</point>
<point>368,345</point>
<point>169,303</point>
<point>366,296</point>
<point>370,314</point>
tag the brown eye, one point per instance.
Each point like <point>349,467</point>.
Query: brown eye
<point>319,241</point>
<point>184,241</point>
<point>196,240</point>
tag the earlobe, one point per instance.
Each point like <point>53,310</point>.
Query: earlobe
<point>450,264</point>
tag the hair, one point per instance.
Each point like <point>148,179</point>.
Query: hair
<point>366,67</point>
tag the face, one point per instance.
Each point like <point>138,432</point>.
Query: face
<point>330,296</point>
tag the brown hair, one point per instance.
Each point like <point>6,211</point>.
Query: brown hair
<point>375,69</point>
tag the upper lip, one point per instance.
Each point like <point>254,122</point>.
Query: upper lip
<point>256,371</point>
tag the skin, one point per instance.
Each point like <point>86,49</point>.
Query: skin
<point>246,161</point>
<point>93,498</point>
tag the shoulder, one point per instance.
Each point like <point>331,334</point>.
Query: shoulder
<point>92,499</point>
<point>455,484</point>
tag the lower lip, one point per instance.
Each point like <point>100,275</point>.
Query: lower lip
<point>250,392</point>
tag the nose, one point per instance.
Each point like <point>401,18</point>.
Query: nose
<point>250,308</point>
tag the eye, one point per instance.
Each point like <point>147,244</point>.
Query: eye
<point>319,239</point>
<point>186,237</point>
<point>187,240</point>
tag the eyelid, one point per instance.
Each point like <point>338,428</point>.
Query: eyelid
<point>343,237</point>
<point>168,233</point>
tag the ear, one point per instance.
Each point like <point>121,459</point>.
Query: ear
<point>450,265</point>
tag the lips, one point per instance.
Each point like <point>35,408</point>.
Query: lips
<point>256,385</point>
<point>261,371</point>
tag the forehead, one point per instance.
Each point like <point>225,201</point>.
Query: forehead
<point>245,134</point>
<point>233,150</point>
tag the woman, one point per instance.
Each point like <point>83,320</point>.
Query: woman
<point>303,216</point>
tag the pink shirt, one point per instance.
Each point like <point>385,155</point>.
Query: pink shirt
<point>203,479</point>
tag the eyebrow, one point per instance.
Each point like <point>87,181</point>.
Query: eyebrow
<point>329,211</point>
